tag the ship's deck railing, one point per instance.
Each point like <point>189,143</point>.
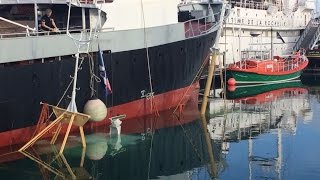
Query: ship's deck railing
<point>47,33</point>
<point>251,5</point>
<point>94,1</point>
<point>285,63</point>
<point>200,26</point>
<point>18,24</point>
<point>290,63</point>
<point>76,2</point>
<point>89,3</point>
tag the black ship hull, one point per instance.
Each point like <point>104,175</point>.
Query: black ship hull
<point>173,68</point>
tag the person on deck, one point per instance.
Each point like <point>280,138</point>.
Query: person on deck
<point>47,22</point>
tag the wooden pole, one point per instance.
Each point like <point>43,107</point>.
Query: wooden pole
<point>83,156</point>
<point>83,139</point>
<point>44,164</point>
<point>56,134</point>
<point>212,65</point>
<point>271,44</point>
<point>209,146</point>
<point>45,130</point>
<point>68,166</point>
<point>67,134</point>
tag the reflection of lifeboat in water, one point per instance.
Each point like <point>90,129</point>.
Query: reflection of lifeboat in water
<point>260,94</point>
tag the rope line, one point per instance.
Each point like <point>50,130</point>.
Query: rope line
<point>151,144</point>
<point>93,76</point>
<point>64,93</point>
<point>154,109</point>
<point>192,82</point>
<point>190,140</point>
<point>153,106</point>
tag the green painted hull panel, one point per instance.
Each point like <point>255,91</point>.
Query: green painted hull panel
<point>253,90</point>
<point>249,78</point>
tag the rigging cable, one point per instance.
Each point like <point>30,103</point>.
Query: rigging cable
<point>197,76</point>
<point>60,100</point>
<point>152,104</point>
<point>93,76</point>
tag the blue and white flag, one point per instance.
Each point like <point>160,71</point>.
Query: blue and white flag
<point>103,74</point>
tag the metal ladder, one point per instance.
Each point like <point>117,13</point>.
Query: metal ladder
<point>309,37</point>
<point>83,44</point>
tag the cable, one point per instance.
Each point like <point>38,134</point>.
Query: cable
<point>192,82</point>
<point>93,76</point>
<point>152,104</point>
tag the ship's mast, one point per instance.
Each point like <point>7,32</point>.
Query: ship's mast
<point>82,44</point>
<point>271,43</point>
<point>279,158</point>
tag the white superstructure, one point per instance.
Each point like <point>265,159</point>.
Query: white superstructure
<point>140,13</point>
<point>286,18</point>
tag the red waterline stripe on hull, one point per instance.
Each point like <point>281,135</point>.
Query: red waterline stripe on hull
<point>132,109</point>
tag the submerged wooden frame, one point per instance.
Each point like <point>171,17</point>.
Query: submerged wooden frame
<point>63,116</point>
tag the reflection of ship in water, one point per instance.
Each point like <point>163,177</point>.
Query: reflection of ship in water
<point>145,148</point>
<point>249,114</point>
<point>248,111</point>
<point>313,83</point>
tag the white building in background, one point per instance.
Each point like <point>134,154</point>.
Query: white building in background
<point>317,8</point>
<point>287,18</point>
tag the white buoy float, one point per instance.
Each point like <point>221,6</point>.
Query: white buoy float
<point>96,109</point>
<point>97,146</point>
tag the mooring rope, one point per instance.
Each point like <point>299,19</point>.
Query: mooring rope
<point>154,109</point>
<point>190,140</point>
<point>66,90</point>
<point>192,82</point>
<point>93,76</point>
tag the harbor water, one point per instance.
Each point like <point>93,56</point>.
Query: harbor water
<point>255,132</point>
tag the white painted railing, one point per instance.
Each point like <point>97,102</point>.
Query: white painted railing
<point>48,33</point>
<point>17,24</point>
<point>251,5</point>
<point>3,2</point>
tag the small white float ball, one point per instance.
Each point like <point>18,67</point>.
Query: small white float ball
<point>97,146</point>
<point>96,109</point>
